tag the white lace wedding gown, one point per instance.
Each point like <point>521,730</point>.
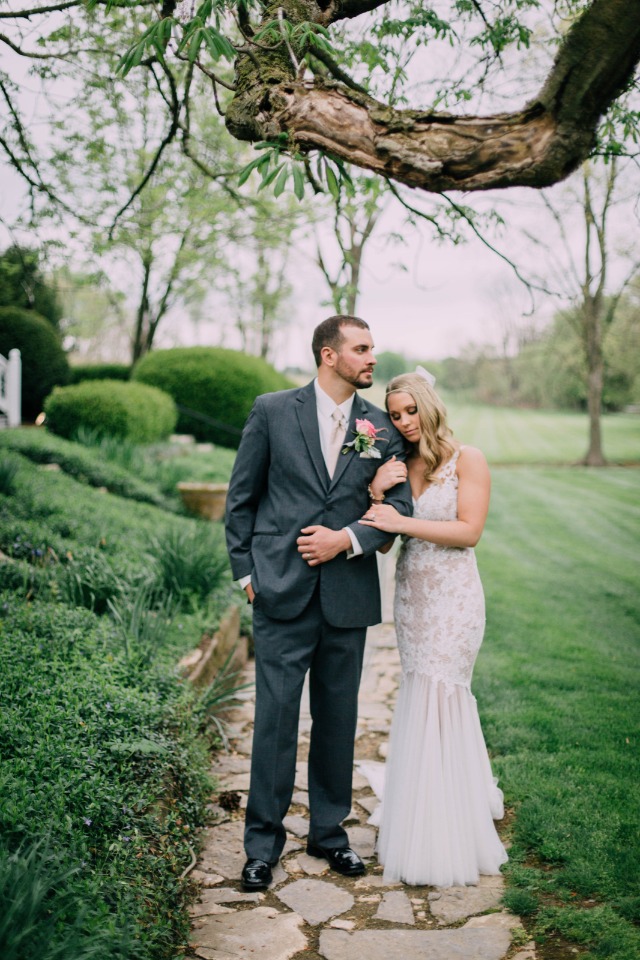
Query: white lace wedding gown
<point>440,798</point>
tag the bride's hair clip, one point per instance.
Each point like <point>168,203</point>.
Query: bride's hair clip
<point>429,377</point>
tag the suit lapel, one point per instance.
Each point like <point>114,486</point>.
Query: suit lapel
<point>359,411</point>
<point>307,412</point>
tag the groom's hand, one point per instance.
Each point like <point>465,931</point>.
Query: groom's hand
<point>319,544</point>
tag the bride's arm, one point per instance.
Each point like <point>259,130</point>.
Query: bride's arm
<point>388,474</point>
<point>474,486</point>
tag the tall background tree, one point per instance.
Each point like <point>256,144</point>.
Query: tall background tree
<point>579,265</point>
<point>24,284</point>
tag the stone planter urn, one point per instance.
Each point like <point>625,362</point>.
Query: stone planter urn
<point>204,499</point>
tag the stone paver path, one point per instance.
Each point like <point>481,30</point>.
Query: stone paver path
<point>310,912</point>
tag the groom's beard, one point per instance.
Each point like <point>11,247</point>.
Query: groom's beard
<point>361,380</point>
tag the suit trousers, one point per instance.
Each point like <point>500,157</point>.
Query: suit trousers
<point>284,651</point>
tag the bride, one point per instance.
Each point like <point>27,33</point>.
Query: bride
<point>440,798</point>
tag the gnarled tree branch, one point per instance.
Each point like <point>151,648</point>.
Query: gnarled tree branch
<point>535,146</point>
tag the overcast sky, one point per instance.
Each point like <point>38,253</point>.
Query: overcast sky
<point>445,298</point>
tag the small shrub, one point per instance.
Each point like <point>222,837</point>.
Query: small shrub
<point>90,581</point>
<point>143,620</point>
<point>218,385</point>
<point>9,467</point>
<point>44,363</point>
<point>99,371</point>
<point>220,696</point>
<point>520,902</point>
<point>132,410</point>
<point>190,562</point>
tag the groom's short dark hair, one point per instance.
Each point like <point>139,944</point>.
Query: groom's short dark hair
<point>329,333</point>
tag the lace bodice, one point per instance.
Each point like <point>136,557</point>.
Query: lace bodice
<point>439,601</point>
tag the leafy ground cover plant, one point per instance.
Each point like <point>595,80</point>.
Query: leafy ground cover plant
<point>103,756</point>
<point>104,770</point>
<point>41,914</point>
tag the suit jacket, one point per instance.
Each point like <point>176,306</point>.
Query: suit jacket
<point>280,484</point>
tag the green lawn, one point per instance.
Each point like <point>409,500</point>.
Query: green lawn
<point>557,682</point>
<point>510,436</point>
<point>542,436</point>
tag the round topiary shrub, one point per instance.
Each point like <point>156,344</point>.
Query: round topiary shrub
<point>134,411</point>
<point>213,387</point>
<point>44,363</point>
<point>99,371</point>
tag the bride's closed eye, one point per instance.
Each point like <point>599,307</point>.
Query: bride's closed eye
<point>411,411</point>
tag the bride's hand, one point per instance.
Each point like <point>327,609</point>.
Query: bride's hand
<point>383,516</point>
<point>388,475</point>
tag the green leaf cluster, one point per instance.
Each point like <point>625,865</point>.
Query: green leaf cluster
<point>275,165</point>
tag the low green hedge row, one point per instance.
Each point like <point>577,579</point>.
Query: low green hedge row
<point>218,385</point>
<point>78,373</point>
<point>44,363</point>
<point>136,411</point>
<point>42,447</point>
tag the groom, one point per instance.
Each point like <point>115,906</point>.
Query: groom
<point>297,490</point>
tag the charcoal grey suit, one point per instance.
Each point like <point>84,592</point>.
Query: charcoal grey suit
<point>305,618</point>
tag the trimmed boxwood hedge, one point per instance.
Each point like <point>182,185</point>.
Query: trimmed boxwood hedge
<point>99,371</point>
<point>44,363</point>
<point>141,413</point>
<point>217,384</point>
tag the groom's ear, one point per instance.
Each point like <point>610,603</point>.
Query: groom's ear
<point>328,356</point>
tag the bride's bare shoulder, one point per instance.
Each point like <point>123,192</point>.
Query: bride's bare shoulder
<point>471,458</point>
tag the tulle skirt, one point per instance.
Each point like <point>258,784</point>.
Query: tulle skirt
<point>440,797</point>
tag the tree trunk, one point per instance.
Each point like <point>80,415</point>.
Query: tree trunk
<point>592,312</point>
<point>534,146</point>
<point>139,337</point>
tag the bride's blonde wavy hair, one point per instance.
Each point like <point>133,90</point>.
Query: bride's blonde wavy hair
<point>435,446</point>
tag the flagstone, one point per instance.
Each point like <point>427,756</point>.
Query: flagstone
<point>373,881</point>
<point>363,840</point>
<point>228,763</point>
<point>456,944</point>
<point>297,825</point>
<point>368,803</point>
<point>312,865</point>
<point>456,903</point>
<point>263,932</point>
<point>210,898</point>
<point>224,849</point>
<point>316,900</point>
<point>206,879</point>
<point>503,920</point>
<point>395,907</point>
<point>234,781</point>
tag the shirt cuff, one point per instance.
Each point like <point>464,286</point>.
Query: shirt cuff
<point>356,549</point>
<point>243,581</point>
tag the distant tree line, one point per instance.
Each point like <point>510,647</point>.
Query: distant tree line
<point>547,371</point>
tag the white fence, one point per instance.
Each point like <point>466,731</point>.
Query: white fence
<point>10,389</point>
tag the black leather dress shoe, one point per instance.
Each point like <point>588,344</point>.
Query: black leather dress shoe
<point>343,860</point>
<point>256,875</point>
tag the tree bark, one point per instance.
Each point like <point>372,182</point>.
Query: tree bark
<point>535,146</point>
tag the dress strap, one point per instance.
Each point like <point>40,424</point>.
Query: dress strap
<point>448,470</point>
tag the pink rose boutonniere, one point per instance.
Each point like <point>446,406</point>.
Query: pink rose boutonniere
<point>366,439</point>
